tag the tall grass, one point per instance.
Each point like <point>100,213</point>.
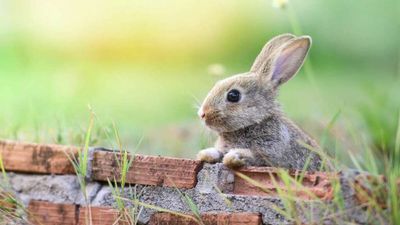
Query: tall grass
<point>80,164</point>
<point>12,210</point>
<point>393,175</point>
<point>381,155</point>
<point>124,161</point>
<point>195,217</point>
<point>3,170</point>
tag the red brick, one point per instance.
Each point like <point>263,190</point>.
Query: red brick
<point>101,216</point>
<point>148,170</point>
<point>46,213</point>
<point>37,158</point>
<point>317,183</point>
<point>214,218</point>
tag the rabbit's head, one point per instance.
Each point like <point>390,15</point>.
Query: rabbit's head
<point>245,99</point>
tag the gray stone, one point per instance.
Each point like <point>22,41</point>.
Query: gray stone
<point>214,176</point>
<point>92,189</point>
<point>57,189</point>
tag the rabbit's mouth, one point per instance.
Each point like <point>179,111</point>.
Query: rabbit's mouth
<point>217,123</point>
<point>223,124</point>
<point>212,119</point>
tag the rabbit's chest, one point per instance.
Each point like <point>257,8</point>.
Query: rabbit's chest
<point>251,139</point>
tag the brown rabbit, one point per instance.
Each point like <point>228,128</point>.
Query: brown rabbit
<point>243,110</point>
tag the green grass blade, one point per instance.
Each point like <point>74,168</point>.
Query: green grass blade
<point>3,170</point>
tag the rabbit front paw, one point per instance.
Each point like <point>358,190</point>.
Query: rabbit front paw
<point>233,159</point>
<point>210,155</point>
<point>239,157</point>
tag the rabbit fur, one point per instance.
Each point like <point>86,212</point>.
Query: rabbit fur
<point>254,131</point>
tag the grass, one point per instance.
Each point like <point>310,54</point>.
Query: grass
<point>386,164</point>
<point>3,171</point>
<point>362,119</point>
<point>124,159</point>
<point>162,125</point>
<point>80,164</point>
<point>195,217</point>
<point>11,208</point>
<point>377,197</point>
<point>353,110</point>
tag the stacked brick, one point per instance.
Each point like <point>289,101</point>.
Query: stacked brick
<point>67,214</point>
<point>155,171</point>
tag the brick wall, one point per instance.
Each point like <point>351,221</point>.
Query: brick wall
<point>159,189</point>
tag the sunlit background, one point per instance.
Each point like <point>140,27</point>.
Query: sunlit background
<point>145,66</point>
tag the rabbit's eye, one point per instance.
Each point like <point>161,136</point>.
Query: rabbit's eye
<point>233,96</point>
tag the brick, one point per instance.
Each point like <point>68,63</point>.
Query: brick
<point>101,216</point>
<point>148,170</point>
<point>268,180</point>
<point>46,213</point>
<point>214,218</point>
<point>37,158</point>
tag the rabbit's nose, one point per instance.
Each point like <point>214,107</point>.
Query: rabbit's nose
<point>201,114</point>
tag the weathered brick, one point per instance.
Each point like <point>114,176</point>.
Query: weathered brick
<point>214,218</point>
<point>46,213</point>
<point>265,181</point>
<point>148,170</point>
<point>37,158</point>
<point>101,216</point>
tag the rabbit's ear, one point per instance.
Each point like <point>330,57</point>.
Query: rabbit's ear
<point>272,45</point>
<point>288,60</point>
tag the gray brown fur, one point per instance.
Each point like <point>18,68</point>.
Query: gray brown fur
<point>254,131</point>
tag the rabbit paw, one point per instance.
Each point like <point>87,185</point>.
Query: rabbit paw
<point>233,159</point>
<point>210,155</point>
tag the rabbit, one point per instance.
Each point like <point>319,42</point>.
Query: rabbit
<point>243,110</point>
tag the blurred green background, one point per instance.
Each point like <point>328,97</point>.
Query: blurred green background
<point>145,65</point>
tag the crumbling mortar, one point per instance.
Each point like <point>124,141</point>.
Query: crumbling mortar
<point>89,166</point>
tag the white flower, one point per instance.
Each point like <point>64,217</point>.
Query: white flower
<point>216,69</point>
<point>280,4</point>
